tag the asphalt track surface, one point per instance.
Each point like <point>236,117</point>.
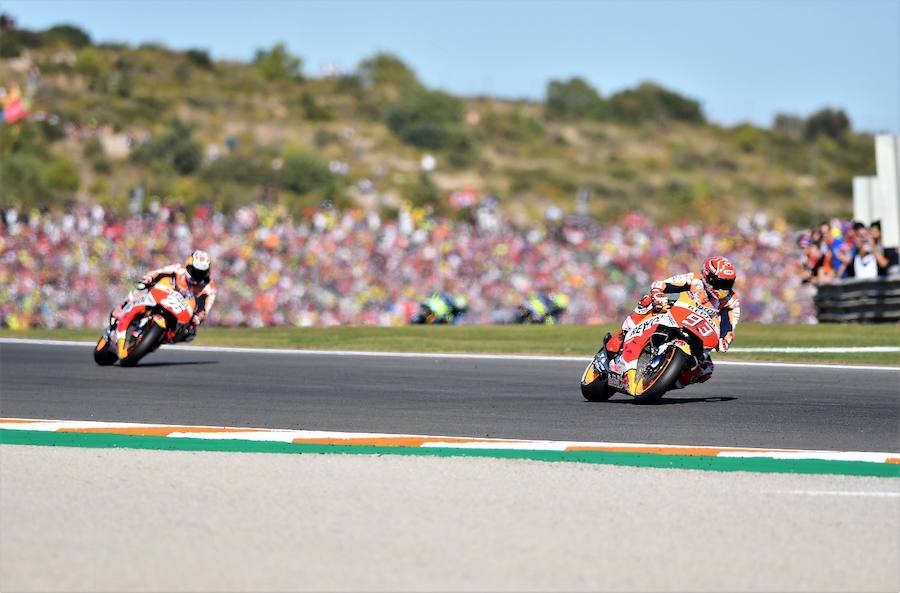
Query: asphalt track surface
<point>749,406</point>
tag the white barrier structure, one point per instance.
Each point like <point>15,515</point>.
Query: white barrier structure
<point>878,198</point>
<point>865,204</point>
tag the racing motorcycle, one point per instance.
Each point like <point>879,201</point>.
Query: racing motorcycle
<point>425,315</point>
<point>654,352</point>
<point>165,319</point>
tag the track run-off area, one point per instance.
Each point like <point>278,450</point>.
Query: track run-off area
<point>451,489</point>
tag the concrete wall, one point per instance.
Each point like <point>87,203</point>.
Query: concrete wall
<point>878,198</point>
<point>865,202</point>
<point>887,160</point>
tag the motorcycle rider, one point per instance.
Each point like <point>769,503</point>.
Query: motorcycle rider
<point>192,280</point>
<point>444,308</point>
<point>711,288</point>
<point>543,308</point>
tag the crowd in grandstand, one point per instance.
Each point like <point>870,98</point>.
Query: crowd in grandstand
<point>838,250</point>
<point>326,267</point>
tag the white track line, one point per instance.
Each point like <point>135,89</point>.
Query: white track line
<point>441,355</point>
<point>839,493</point>
<point>818,350</point>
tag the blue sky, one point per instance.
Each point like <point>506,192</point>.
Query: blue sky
<point>745,60</point>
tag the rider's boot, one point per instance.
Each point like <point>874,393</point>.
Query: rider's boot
<point>699,374</point>
<point>606,339</point>
<point>613,343</point>
<point>187,335</point>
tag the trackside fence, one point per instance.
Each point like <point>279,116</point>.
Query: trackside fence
<point>860,301</point>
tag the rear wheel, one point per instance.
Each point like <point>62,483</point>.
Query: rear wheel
<point>102,354</point>
<point>593,388</point>
<point>148,340</point>
<point>657,379</point>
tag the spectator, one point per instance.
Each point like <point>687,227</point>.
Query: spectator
<point>329,267</point>
<point>887,257</point>
<point>865,262</point>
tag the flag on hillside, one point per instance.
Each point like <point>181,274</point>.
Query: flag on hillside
<point>13,112</point>
<point>13,107</point>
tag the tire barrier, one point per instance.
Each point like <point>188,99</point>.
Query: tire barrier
<point>859,301</point>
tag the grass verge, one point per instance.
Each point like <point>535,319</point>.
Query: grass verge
<point>569,340</point>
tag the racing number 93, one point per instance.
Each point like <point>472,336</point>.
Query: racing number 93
<point>174,302</point>
<point>702,325</point>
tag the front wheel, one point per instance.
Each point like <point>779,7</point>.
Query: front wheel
<point>661,377</point>
<point>102,354</point>
<point>593,388</point>
<point>149,340</point>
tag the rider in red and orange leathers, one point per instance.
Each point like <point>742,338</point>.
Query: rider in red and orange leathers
<point>190,279</point>
<point>712,288</point>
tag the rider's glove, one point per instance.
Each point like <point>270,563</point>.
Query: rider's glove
<point>660,301</point>
<point>725,342</point>
<point>144,282</point>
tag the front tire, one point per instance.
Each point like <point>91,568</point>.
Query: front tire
<point>102,354</point>
<point>651,386</point>
<point>593,388</point>
<point>151,338</point>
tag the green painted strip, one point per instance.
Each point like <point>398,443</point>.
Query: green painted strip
<point>724,464</point>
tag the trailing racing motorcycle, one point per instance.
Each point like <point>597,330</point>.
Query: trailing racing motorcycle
<point>163,316</point>
<point>654,352</point>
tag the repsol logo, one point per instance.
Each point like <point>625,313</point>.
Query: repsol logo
<point>642,327</point>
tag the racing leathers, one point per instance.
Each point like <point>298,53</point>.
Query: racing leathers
<point>444,308</point>
<point>204,295</point>
<point>539,308</point>
<point>729,308</point>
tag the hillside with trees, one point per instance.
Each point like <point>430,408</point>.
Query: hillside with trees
<point>104,119</point>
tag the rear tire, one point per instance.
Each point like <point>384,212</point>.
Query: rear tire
<point>592,388</point>
<point>102,355</point>
<point>151,338</point>
<point>664,378</point>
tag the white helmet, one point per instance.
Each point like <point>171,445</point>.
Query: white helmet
<point>198,267</point>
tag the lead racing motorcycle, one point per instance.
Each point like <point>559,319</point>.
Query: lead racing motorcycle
<point>654,352</point>
<point>164,316</point>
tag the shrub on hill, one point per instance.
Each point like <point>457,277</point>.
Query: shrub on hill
<point>304,172</point>
<point>833,123</point>
<point>13,41</point>
<point>278,63</point>
<point>386,69</point>
<point>242,168</point>
<point>68,34</point>
<point>788,125</point>
<point>573,99</point>
<point>199,58</point>
<point>96,156</point>
<point>61,177</point>
<point>313,110</point>
<point>429,119</point>
<point>22,182</point>
<point>176,148</point>
<point>652,102</point>
<point>380,81</point>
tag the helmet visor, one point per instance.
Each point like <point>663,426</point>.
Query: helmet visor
<point>198,276</point>
<point>720,287</point>
<point>717,283</point>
